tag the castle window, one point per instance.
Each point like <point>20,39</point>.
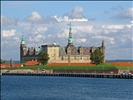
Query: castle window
<point>80,58</point>
<point>62,58</point>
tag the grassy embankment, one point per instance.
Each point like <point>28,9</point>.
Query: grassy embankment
<point>98,67</point>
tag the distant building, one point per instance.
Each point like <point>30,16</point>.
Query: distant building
<point>69,53</point>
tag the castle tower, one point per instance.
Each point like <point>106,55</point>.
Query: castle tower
<point>70,44</point>
<point>103,49</point>
<point>22,49</point>
<point>70,39</point>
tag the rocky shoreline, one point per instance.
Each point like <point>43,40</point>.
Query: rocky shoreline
<point>26,71</point>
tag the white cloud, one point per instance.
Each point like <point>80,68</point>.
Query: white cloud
<point>40,30</point>
<point>16,38</point>
<point>111,40</point>
<point>77,13</point>
<point>83,40</point>
<point>113,26</point>
<point>6,21</point>
<point>83,34</point>
<point>85,28</point>
<point>99,37</point>
<point>124,14</point>
<point>7,33</point>
<point>35,39</point>
<point>127,14</point>
<point>67,18</point>
<point>4,43</point>
<point>132,22</point>
<point>55,29</point>
<point>35,17</point>
<point>120,13</point>
<point>63,33</point>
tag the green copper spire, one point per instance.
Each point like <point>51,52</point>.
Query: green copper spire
<point>22,40</point>
<point>70,39</point>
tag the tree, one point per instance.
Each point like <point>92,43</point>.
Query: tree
<point>43,58</point>
<point>97,57</point>
<point>3,61</point>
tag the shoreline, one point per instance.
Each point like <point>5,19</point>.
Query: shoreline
<point>88,75</point>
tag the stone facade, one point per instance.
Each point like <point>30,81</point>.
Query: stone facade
<point>56,53</point>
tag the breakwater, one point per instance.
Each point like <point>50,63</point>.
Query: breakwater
<point>74,75</point>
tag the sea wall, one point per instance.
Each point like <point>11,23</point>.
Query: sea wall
<point>87,71</point>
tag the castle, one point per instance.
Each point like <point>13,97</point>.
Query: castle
<point>67,54</point>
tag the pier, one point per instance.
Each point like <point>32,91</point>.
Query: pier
<point>74,75</point>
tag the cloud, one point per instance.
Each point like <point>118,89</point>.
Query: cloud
<point>63,33</point>
<point>113,26</point>
<point>7,33</point>
<point>132,22</point>
<point>119,35</point>
<point>124,14</point>
<point>83,40</point>
<point>6,21</point>
<point>34,40</point>
<point>36,35</point>
<point>85,28</point>
<point>67,18</point>
<point>110,40</point>
<point>35,17</point>
<point>115,9</point>
<point>127,14</point>
<point>39,31</point>
<point>77,13</point>
<point>119,12</point>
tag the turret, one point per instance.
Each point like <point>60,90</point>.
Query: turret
<point>22,48</point>
<point>70,39</point>
<point>103,49</point>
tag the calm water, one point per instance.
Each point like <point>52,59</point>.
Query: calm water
<point>65,88</point>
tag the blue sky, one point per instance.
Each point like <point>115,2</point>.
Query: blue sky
<point>93,9</point>
<point>46,22</point>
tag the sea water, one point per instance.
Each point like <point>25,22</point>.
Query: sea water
<point>65,88</point>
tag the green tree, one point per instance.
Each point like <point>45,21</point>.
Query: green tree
<point>3,61</point>
<point>97,57</point>
<point>43,58</point>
